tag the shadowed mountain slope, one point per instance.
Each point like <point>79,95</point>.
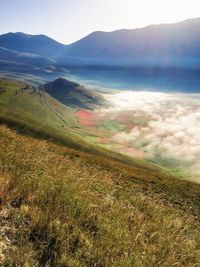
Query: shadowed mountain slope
<point>72,94</point>
<point>37,44</point>
<point>175,45</point>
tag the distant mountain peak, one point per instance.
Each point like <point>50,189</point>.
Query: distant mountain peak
<point>64,82</point>
<point>60,86</point>
<point>39,44</point>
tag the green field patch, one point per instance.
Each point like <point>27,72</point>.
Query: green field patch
<point>114,126</point>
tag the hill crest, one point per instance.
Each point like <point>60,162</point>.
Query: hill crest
<point>72,94</point>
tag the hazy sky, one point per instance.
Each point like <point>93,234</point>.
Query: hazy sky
<point>70,20</point>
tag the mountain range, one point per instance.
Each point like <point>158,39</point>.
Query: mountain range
<point>164,45</point>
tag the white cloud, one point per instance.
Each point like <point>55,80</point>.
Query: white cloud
<point>173,127</point>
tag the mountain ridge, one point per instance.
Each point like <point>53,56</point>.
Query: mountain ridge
<point>155,45</point>
<point>162,45</point>
<point>29,43</point>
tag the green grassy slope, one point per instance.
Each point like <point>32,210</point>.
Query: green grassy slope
<point>29,107</point>
<point>35,112</point>
<point>70,208</point>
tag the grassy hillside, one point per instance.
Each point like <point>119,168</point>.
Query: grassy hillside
<point>28,106</point>
<point>70,208</point>
<point>64,202</point>
<point>35,112</point>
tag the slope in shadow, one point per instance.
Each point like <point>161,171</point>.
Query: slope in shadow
<point>72,94</point>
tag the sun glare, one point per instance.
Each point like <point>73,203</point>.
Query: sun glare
<point>133,13</point>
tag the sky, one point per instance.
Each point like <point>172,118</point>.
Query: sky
<point>69,20</point>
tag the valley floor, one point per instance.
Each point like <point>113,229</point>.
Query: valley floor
<point>62,207</point>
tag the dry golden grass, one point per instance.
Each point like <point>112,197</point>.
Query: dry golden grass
<point>77,209</point>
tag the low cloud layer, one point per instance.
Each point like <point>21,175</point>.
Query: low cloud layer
<point>172,129</point>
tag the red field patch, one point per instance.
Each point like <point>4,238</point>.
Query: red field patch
<point>86,118</point>
<point>83,114</point>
